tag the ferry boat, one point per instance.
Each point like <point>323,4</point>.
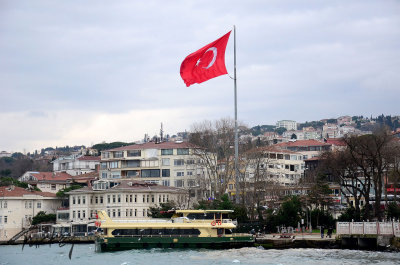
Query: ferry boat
<point>185,229</point>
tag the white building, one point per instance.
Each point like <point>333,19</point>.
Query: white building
<point>18,206</point>
<point>288,124</point>
<point>121,199</point>
<point>76,164</point>
<point>279,166</point>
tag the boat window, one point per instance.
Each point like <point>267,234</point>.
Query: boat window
<point>200,216</point>
<point>154,232</point>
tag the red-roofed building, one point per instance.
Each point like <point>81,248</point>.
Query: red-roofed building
<point>309,148</point>
<point>337,143</point>
<point>18,206</point>
<point>47,181</point>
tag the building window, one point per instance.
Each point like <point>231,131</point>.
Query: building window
<point>101,199</point>
<point>119,212</point>
<point>133,163</point>
<point>165,172</point>
<point>130,198</point>
<point>152,198</point>
<point>113,164</point>
<point>79,199</point>
<point>104,175</point>
<point>135,199</point>
<point>134,153</point>
<point>179,183</point>
<point>190,162</point>
<point>79,214</point>
<point>119,198</point>
<point>83,199</point>
<point>179,162</point>
<point>83,214</point>
<point>150,173</point>
<point>165,162</point>
<point>39,205</point>
<point>73,214</point>
<point>118,154</point>
<point>148,197</point>
<point>114,197</point>
<point>53,186</point>
<point>108,198</point>
<point>5,219</point>
<point>165,152</point>
<point>103,165</point>
<point>144,198</point>
<point>165,183</point>
<point>135,212</point>
<point>180,174</point>
<point>105,154</point>
<point>73,200</point>
<point>113,212</point>
<point>28,205</point>
<point>132,173</point>
<point>130,212</point>
<point>96,200</point>
<point>189,173</point>
<point>182,151</point>
<point>4,204</point>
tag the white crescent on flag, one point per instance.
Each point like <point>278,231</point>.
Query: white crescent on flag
<point>214,50</point>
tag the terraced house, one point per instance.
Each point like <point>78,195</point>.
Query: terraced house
<point>171,164</point>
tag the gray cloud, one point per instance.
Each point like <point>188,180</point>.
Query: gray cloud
<point>303,60</point>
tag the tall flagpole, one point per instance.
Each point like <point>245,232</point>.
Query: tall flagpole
<point>236,125</point>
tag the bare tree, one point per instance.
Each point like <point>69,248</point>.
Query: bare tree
<point>372,154</point>
<point>215,149</point>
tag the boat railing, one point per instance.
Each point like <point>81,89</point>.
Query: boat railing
<point>156,236</point>
<point>144,221</point>
<point>237,234</point>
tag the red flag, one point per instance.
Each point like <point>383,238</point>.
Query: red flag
<point>206,63</point>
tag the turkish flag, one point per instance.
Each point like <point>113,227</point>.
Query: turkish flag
<point>206,63</point>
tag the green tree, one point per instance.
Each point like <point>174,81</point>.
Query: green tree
<point>162,210</point>
<point>280,130</point>
<point>290,212</point>
<point>42,217</point>
<point>393,211</point>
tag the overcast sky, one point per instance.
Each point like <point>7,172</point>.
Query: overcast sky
<point>83,72</point>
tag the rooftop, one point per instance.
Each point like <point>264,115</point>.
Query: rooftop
<point>13,191</point>
<point>154,145</point>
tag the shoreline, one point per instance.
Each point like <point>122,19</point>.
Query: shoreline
<point>268,241</point>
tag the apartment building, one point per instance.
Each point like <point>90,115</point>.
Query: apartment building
<point>279,166</point>
<point>18,206</point>
<point>288,124</point>
<point>171,164</point>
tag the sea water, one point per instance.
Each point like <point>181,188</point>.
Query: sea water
<point>85,254</point>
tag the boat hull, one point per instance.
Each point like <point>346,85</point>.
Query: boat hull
<point>124,243</point>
